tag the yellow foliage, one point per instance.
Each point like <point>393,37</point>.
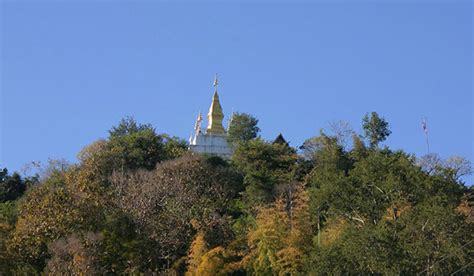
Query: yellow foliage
<point>236,256</point>
<point>282,236</point>
<point>49,211</point>
<point>77,262</point>
<point>290,260</point>
<point>466,207</point>
<point>196,252</point>
<point>202,261</point>
<point>212,263</point>
<point>300,232</point>
<point>333,231</point>
<point>396,210</point>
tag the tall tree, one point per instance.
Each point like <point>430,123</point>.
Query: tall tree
<point>243,127</point>
<point>282,236</point>
<point>264,166</point>
<point>376,129</point>
<point>128,126</point>
<point>132,147</point>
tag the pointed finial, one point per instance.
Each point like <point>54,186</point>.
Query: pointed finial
<point>215,115</point>
<point>230,119</point>
<point>197,126</point>
<point>216,82</point>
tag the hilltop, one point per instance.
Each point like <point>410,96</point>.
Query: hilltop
<point>141,202</point>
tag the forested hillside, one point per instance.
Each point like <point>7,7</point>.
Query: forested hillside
<point>341,203</point>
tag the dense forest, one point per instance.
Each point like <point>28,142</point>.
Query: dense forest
<point>341,203</point>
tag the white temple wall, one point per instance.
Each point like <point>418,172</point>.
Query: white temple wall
<point>211,144</point>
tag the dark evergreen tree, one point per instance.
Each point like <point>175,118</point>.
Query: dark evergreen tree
<point>11,186</point>
<point>243,127</point>
<point>376,129</point>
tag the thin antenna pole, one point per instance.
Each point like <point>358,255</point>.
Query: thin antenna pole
<point>425,130</point>
<point>427,143</point>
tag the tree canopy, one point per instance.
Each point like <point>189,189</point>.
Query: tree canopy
<point>376,129</point>
<point>243,127</point>
<point>138,202</point>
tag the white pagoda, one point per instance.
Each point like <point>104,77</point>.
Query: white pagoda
<point>214,140</point>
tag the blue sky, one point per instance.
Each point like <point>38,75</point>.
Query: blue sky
<point>71,70</point>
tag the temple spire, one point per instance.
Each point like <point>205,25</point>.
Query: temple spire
<point>197,126</point>
<point>215,115</point>
<point>230,119</point>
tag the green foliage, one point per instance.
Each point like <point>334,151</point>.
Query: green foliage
<point>130,147</point>
<point>116,248</point>
<point>134,146</point>
<point>11,187</point>
<point>136,149</point>
<point>8,214</point>
<point>329,158</point>
<point>174,147</point>
<point>242,128</point>
<point>128,126</point>
<point>430,238</point>
<point>359,150</point>
<point>138,203</point>
<point>436,237</point>
<point>376,129</point>
<point>121,248</point>
<point>264,166</point>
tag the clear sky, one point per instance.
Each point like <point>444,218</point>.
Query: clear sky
<point>71,70</point>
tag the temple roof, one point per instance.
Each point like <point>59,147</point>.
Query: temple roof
<point>280,140</point>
